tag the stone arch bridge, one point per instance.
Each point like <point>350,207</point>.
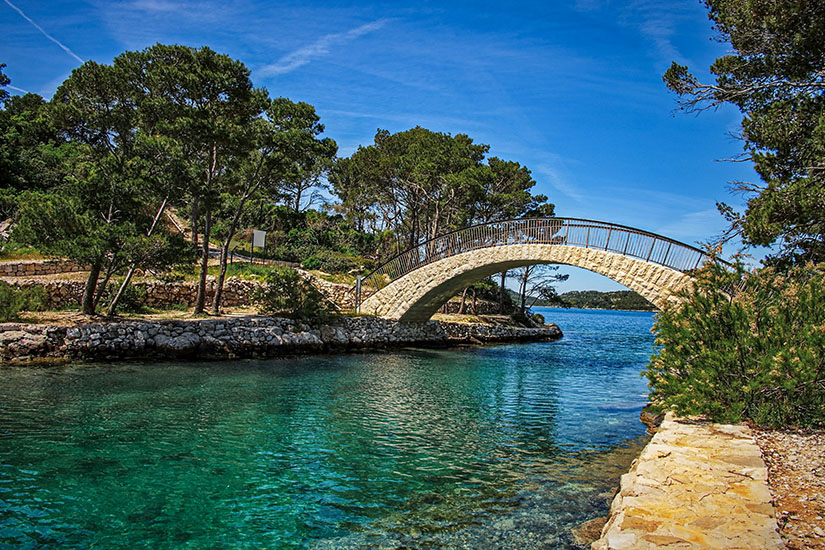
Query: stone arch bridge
<point>412,286</point>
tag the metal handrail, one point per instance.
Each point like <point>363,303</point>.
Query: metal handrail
<point>578,232</point>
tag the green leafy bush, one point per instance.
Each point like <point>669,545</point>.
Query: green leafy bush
<point>287,293</point>
<point>311,263</point>
<point>537,318</point>
<point>757,355</point>
<point>133,299</point>
<point>13,300</point>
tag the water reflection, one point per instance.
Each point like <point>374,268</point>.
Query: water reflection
<point>511,445</point>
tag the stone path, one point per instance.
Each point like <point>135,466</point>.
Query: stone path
<point>695,485</point>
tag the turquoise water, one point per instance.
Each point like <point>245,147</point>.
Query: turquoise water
<point>509,446</point>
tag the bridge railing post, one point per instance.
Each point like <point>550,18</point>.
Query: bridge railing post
<point>650,253</point>
<point>667,252</point>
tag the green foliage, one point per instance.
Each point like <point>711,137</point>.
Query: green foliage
<point>593,299</point>
<point>244,270</point>
<point>758,355</point>
<point>311,263</point>
<point>133,299</point>
<point>521,318</point>
<point>13,300</point>
<point>32,153</point>
<point>4,81</point>
<point>285,292</point>
<point>331,261</point>
<point>775,75</point>
<point>419,184</point>
<point>537,318</point>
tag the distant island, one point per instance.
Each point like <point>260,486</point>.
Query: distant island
<point>593,299</point>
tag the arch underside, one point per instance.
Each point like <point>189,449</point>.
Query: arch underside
<point>416,296</point>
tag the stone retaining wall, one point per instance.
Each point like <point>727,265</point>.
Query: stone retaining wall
<point>339,294</point>
<point>35,268</point>
<point>62,294</point>
<point>695,486</point>
<point>236,292</point>
<point>239,337</point>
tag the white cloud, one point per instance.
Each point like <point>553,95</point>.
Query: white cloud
<point>552,174</point>
<point>319,48</point>
<point>44,33</point>
<point>707,223</point>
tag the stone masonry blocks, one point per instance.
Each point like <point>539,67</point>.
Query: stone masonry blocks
<point>417,295</point>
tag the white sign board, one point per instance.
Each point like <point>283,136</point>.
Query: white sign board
<point>258,238</point>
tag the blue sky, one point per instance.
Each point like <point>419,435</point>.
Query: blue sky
<point>572,90</point>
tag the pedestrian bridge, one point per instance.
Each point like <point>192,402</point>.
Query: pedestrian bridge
<point>415,284</point>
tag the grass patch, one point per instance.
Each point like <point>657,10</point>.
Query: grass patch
<point>13,251</point>
<point>338,278</point>
<point>246,271</point>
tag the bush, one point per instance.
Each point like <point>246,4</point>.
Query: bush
<point>537,318</point>
<point>520,318</point>
<point>311,263</point>
<point>287,293</point>
<point>13,300</point>
<point>332,261</point>
<point>133,299</point>
<point>758,355</point>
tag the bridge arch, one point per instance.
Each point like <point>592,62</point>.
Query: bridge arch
<point>414,284</point>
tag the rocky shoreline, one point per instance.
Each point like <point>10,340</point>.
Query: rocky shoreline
<point>250,336</point>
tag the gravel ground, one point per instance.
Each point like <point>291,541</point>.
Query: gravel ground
<point>796,475</point>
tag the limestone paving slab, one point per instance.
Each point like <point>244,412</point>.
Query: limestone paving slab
<point>695,485</point>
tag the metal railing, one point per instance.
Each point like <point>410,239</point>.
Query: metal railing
<point>577,232</point>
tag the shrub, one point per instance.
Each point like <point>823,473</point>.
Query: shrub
<point>13,300</point>
<point>520,318</point>
<point>757,355</point>
<point>311,263</point>
<point>133,299</point>
<point>287,293</point>
<point>537,318</point>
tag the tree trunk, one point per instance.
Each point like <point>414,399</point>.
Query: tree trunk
<point>501,293</point>
<point>113,305</point>
<point>110,311</point>
<point>207,229</point>
<point>88,305</point>
<point>475,302</point>
<point>463,301</point>
<point>194,221</point>
<point>102,287</point>
<point>523,290</point>
<point>216,301</point>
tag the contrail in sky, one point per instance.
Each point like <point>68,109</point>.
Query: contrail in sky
<point>320,47</point>
<point>44,33</point>
<point>16,89</point>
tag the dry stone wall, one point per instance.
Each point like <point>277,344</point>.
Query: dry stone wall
<point>62,294</point>
<point>240,337</point>
<point>36,268</point>
<point>236,292</point>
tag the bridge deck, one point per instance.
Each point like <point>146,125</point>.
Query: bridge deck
<point>576,232</point>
